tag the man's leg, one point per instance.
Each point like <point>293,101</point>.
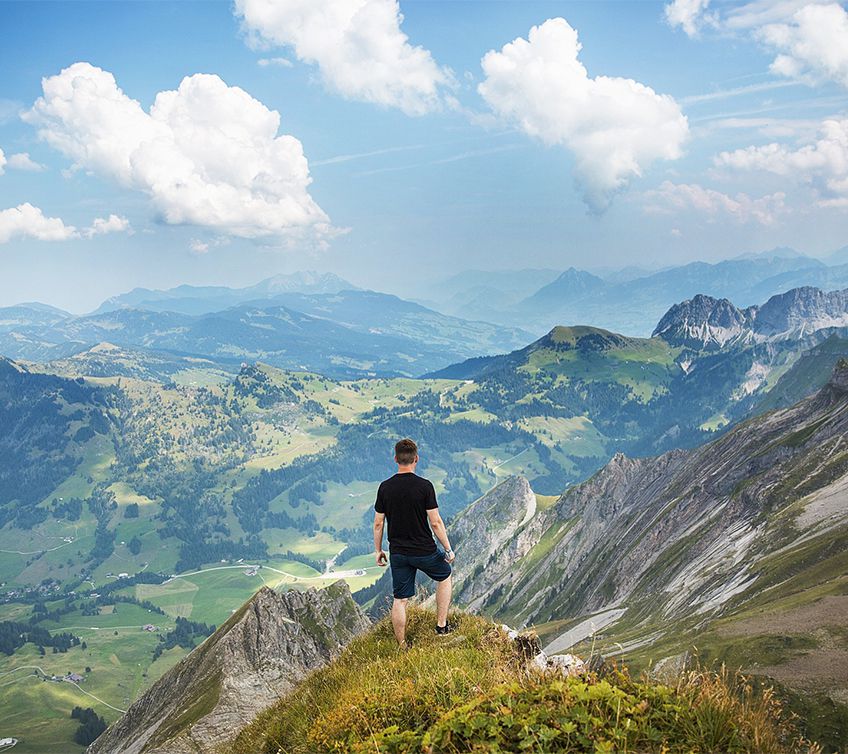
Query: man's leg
<point>399,620</point>
<point>443,598</point>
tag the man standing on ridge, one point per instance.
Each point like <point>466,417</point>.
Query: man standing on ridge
<point>408,502</point>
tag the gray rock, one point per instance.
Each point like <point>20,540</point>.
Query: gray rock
<point>263,650</point>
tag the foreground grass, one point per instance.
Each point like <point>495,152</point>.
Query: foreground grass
<point>472,692</point>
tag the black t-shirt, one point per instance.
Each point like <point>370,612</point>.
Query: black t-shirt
<point>405,499</point>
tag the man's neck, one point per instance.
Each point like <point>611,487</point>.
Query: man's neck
<point>406,469</point>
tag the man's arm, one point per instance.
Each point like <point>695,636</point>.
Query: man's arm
<point>379,519</point>
<point>441,533</point>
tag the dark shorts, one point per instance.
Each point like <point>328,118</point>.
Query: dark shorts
<point>404,568</point>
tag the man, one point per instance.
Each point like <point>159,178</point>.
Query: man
<point>408,502</point>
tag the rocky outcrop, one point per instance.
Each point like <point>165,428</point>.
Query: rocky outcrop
<point>492,529</point>
<point>260,653</point>
<point>707,323</point>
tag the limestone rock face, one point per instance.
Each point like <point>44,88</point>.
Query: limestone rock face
<point>260,653</point>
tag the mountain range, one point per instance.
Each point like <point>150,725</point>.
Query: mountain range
<point>346,334</point>
<point>735,548</point>
<point>631,301</point>
<point>192,299</point>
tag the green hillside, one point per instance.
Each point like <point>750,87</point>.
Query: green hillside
<point>473,691</point>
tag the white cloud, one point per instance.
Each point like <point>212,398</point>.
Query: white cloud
<point>206,154</point>
<point>614,126</point>
<point>674,197</point>
<point>281,62</point>
<point>759,13</point>
<point>112,224</point>
<point>26,221</point>
<point>357,45</point>
<point>823,163</point>
<point>2,161</point>
<point>689,15</point>
<point>812,44</point>
<point>196,246</point>
<point>810,37</point>
<point>22,161</point>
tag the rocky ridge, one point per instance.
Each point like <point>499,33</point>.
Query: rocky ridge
<point>265,648</point>
<point>707,323</point>
<point>668,544</point>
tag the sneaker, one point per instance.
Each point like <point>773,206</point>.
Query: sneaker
<point>446,629</point>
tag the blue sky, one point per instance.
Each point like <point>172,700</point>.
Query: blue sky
<point>676,131</point>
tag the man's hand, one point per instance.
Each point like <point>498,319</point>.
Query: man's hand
<point>382,558</point>
<point>450,556</point>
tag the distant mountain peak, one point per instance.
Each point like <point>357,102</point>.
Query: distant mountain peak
<point>703,322</point>
<point>571,284</point>
<point>707,323</point>
<point>778,252</point>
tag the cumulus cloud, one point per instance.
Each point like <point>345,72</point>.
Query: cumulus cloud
<point>614,126</point>
<point>810,37</point>
<point>206,154</point>
<point>22,161</point>
<point>822,163</point>
<point>112,224</point>
<point>2,161</point>
<point>689,15</point>
<point>812,44</point>
<point>27,221</point>
<point>742,208</point>
<point>358,46</point>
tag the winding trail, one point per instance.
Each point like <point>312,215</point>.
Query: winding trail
<point>72,683</point>
<point>323,576</point>
<point>97,698</point>
<point>45,549</point>
<point>511,459</point>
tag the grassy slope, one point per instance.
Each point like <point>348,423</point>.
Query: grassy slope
<point>472,691</point>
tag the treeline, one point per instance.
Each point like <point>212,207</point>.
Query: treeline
<point>184,634</point>
<point>307,524</point>
<point>298,557</point>
<point>195,554</point>
<point>91,725</point>
<point>359,454</point>
<point>14,635</point>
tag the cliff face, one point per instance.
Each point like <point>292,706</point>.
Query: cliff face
<point>679,538</point>
<point>260,653</point>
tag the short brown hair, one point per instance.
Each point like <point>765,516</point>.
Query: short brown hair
<point>405,451</point>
